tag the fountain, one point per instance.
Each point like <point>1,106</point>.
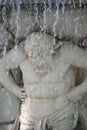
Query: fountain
<point>42,58</point>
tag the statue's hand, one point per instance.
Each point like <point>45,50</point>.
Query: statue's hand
<point>23,94</point>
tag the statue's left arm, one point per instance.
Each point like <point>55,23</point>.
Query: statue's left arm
<point>75,94</point>
<point>76,56</point>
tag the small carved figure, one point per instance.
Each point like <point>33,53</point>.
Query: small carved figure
<point>49,82</point>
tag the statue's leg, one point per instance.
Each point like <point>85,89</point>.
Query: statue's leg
<point>26,122</point>
<point>64,119</point>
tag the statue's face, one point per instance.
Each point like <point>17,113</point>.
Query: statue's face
<point>39,49</point>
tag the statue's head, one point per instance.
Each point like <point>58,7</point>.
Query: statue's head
<point>38,47</point>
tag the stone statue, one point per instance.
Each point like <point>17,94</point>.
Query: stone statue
<point>49,81</point>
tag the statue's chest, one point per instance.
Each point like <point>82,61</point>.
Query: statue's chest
<point>43,72</point>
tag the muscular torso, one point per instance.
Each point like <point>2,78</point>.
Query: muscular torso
<point>47,78</point>
<point>56,83</point>
<point>45,74</point>
<point>47,93</point>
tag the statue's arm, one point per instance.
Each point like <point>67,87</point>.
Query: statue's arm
<point>75,94</point>
<point>12,59</point>
<point>8,83</point>
<point>74,55</point>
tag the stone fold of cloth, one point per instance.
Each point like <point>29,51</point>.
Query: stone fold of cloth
<point>62,119</point>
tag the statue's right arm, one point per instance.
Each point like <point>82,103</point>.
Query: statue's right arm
<point>14,57</point>
<point>12,60</point>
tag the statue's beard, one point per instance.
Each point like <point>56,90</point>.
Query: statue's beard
<point>41,59</point>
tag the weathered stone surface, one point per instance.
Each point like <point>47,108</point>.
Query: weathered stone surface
<point>9,106</point>
<point>6,127</point>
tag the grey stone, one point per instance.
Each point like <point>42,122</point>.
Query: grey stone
<point>6,127</point>
<point>9,106</point>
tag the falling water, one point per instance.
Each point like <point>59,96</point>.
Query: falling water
<point>44,17</point>
<point>76,20</point>
<point>80,3</point>
<point>28,15</point>
<point>69,2</point>
<point>63,7</point>
<point>56,17</point>
<point>36,11</point>
<point>17,21</point>
<point>74,3</point>
<point>12,13</point>
<point>50,4</point>
<point>5,40</point>
<point>12,4</point>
